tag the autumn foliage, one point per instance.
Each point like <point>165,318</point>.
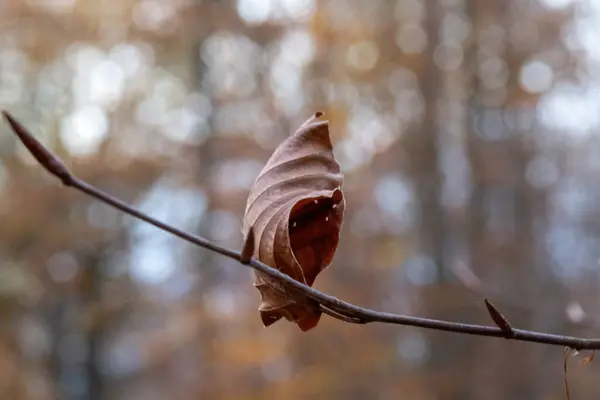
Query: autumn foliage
<point>295,210</point>
<point>467,136</point>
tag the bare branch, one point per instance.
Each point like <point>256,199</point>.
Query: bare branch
<point>330,305</point>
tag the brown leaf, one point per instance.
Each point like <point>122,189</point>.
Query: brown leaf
<point>588,359</point>
<point>295,211</point>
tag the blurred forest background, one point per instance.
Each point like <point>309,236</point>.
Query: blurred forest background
<point>467,130</point>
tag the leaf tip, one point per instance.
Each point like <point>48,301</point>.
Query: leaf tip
<point>309,321</point>
<point>587,360</point>
<point>314,119</point>
<point>269,318</point>
<point>337,195</point>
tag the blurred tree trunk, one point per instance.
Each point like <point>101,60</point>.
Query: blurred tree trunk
<point>422,148</point>
<point>75,350</point>
<point>506,213</point>
<point>92,293</point>
<point>424,155</point>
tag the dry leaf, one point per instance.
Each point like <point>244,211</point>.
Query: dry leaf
<point>295,211</point>
<point>587,360</point>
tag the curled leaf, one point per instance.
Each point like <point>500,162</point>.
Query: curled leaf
<point>588,359</point>
<point>295,211</point>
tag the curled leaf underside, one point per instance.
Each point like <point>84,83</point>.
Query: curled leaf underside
<point>295,211</point>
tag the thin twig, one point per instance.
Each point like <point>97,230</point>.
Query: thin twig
<point>567,353</point>
<point>331,305</point>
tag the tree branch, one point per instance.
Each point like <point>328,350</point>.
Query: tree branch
<point>330,305</point>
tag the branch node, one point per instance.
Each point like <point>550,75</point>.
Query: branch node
<point>248,249</point>
<point>500,320</point>
<point>342,317</point>
<point>45,157</point>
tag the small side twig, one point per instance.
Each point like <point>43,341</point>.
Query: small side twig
<point>331,305</point>
<point>474,284</point>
